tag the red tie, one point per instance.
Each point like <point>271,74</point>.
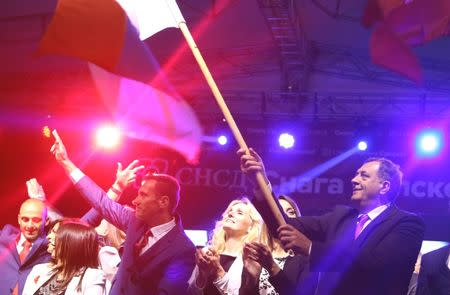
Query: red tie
<point>142,242</point>
<point>26,249</point>
<point>361,221</point>
<point>22,255</point>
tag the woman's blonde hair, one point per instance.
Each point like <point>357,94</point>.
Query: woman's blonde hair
<point>219,237</point>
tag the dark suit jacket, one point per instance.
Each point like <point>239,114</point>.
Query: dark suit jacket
<point>295,278</point>
<point>163,269</point>
<point>434,275</point>
<point>11,270</point>
<point>379,261</point>
<point>285,282</point>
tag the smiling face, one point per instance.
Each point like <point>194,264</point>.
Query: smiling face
<point>31,219</point>
<point>236,220</point>
<point>51,237</point>
<point>367,185</point>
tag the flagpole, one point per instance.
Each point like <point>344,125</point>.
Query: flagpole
<point>229,118</point>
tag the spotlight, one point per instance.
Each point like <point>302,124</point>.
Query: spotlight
<point>362,145</point>
<point>429,143</point>
<point>222,140</point>
<point>107,136</point>
<point>286,140</point>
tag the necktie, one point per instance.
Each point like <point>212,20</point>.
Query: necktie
<point>26,249</point>
<point>142,242</point>
<point>22,255</point>
<point>361,221</point>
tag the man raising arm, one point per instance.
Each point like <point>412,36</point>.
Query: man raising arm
<point>158,257</point>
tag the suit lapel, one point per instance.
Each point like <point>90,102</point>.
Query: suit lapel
<point>160,245</point>
<point>382,218</point>
<point>13,249</point>
<point>140,230</point>
<point>135,235</point>
<point>36,246</point>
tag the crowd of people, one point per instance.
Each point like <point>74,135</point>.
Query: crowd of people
<point>368,248</point>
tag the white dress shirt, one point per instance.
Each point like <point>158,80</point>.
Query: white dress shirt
<point>19,245</point>
<point>158,232</point>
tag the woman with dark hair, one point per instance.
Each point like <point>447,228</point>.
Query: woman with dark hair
<point>289,206</point>
<point>74,267</point>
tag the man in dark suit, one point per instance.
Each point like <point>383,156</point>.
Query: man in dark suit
<point>23,248</point>
<point>158,257</point>
<point>434,275</point>
<point>368,249</point>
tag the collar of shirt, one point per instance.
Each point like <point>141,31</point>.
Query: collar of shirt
<point>160,230</point>
<point>20,242</point>
<point>374,213</point>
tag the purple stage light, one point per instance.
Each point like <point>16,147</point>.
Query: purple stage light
<point>362,145</point>
<point>286,140</point>
<point>429,143</point>
<point>222,140</point>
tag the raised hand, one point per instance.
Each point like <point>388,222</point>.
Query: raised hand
<point>292,239</point>
<point>35,190</point>
<point>126,176</point>
<point>58,149</point>
<point>262,255</point>
<point>251,164</point>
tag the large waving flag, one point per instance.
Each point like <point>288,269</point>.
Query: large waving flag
<point>420,21</point>
<point>172,17</point>
<point>401,24</point>
<point>150,17</point>
<point>389,51</point>
<point>146,113</point>
<point>102,33</point>
<point>377,10</point>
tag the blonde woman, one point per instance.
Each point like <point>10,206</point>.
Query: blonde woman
<point>219,266</point>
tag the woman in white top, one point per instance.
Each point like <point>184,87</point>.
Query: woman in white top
<point>219,265</point>
<point>74,267</point>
